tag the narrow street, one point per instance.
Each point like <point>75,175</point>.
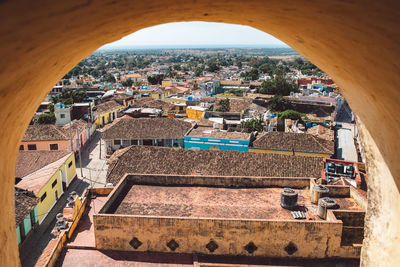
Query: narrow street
<point>346,149</point>
<point>94,167</point>
<point>94,175</point>
<point>35,243</point>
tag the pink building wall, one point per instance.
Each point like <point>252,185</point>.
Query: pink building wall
<point>45,145</point>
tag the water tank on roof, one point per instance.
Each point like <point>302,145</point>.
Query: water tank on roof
<point>318,192</point>
<point>324,204</point>
<point>190,98</point>
<point>272,116</point>
<point>288,198</point>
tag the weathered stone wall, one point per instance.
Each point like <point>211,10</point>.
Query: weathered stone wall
<point>355,42</point>
<point>382,229</point>
<point>311,239</point>
<point>353,226</point>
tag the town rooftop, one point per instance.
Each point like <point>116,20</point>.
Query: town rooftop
<point>161,160</point>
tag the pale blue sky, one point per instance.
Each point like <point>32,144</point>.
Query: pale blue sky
<point>190,34</point>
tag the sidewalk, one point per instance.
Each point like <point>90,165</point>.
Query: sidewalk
<point>34,245</point>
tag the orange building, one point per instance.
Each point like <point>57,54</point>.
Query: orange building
<point>45,137</point>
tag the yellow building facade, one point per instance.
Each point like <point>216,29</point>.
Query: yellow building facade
<point>49,183</point>
<point>166,83</point>
<point>157,96</point>
<point>107,117</point>
<point>195,113</point>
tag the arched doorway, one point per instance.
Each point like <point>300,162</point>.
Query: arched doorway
<point>355,43</point>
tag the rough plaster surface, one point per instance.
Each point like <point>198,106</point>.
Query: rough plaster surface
<point>382,231</point>
<point>312,239</point>
<point>356,42</point>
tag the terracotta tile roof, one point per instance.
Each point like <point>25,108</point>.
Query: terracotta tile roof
<point>294,141</point>
<point>161,160</point>
<point>230,82</point>
<point>30,161</point>
<point>146,128</point>
<point>205,123</point>
<point>147,102</point>
<point>25,202</point>
<point>106,107</point>
<point>37,179</point>
<point>121,97</point>
<point>79,125</point>
<point>322,132</point>
<point>210,132</point>
<point>135,75</point>
<point>239,105</point>
<point>236,104</point>
<point>176,89</point>
<point>44,132</point>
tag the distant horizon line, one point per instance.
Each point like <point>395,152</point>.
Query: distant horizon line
<point>194,46</point>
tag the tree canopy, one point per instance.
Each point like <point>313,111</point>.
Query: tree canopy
<point>109,78</point>
<point>250,75</point>
<point>127,83</point>
<point>212,67</point>
<point>292,114</point>
<point>47,118</point>
<point>278,86</point>
<point>155,79</point>
<point>223,105</point>
<point>254,124</point>
<point>177,67</point>
<point>69,97</point>
<point>278,103</point>
<point>198,71</point>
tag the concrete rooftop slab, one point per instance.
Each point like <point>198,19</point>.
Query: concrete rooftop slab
<point>212,202</point>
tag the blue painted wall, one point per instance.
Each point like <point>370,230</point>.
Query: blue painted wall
<point>222,144</point>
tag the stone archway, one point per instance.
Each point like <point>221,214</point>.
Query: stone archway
<point>357,43</point>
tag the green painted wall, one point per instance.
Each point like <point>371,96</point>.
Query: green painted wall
<point>18,235</point>
<point>27,224</point>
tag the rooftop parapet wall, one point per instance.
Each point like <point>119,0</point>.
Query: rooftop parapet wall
<point>270,233</point>
<point>304,239</point>
<point>222,181</point>
<point>342,190</point>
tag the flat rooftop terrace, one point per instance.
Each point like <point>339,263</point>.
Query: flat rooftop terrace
<point>213,202</point>
<point>225,215</point>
